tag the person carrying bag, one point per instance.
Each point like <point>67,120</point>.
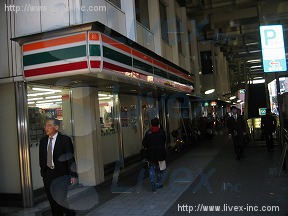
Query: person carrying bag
<point>154,145</point>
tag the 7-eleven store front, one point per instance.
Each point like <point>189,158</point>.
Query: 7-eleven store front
<point>103,91</point>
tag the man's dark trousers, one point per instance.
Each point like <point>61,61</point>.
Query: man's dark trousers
<point>238,146</point>
<point>269,140</point>
<point>56,188</point>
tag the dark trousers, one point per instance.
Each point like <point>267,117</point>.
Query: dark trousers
<point>269,140</point>
<point>238,145</point>
<point>56,188</point>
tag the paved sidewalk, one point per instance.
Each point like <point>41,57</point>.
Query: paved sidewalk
<point>207,174</point>
<point>180,174</point>
<point>249,184</point>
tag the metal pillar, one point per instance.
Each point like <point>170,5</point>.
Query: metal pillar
<point>24,151</point>
<point>117,112</point>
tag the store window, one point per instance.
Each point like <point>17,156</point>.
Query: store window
<point>206,62</point>
<point>142,13</point>
<point>107,113</point>
<point>179,35</point>
<point>163,20</point>
<point>272,88</point>
<point>44,103</point>
<point>149,111</point>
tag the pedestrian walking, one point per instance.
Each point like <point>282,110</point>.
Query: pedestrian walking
<point>58,168</point>
<point>268,127</point>
<point>154,144</point>
<point>237,131</point>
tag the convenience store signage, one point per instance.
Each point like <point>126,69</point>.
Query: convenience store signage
<point>273,49</point>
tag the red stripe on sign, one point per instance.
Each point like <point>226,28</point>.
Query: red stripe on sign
<point>95,64</point>
<point>160,64</point>
<point>55,69</point>
<point>107,65</point>
<point>173,70</point>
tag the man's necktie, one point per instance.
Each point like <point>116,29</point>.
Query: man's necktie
<point>49,153</point>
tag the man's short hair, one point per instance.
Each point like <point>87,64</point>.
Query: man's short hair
<point>155,122</point>
<point>268,110</point>
<point>55,121</point>
<point>234,107</point>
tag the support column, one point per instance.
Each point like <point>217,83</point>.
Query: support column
<point>24,152</point>
<point>128,6</point>
<point>117,112</point>
<point>88,152</point>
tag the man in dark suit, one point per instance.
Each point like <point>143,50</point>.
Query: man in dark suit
<point>237,130</point>
<point>58,168</point>
<point>268,127</point>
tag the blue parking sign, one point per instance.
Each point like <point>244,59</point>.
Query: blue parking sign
<point>273,48</point>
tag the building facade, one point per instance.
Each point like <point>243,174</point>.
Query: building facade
<point>105,69</point>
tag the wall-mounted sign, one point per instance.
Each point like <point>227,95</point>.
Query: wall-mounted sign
<point>273,49</point>
<point>262,111</point>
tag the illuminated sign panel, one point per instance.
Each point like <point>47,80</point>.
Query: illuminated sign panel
<point>262,111</point>
<point>273,49</point>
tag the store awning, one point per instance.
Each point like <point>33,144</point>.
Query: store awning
<point>91,52</point>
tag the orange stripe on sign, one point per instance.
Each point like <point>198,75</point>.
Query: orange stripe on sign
<point>141,55</point>
<point>94,36</point>
<point>116,44</point>
<point>54,42</point>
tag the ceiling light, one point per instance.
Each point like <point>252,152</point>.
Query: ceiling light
<point>257,78</point>
<point>44,104</point>
<point>39,94</point>
<point>132,90</point>
<point>47,101</point>
<point>228,101</point>
<point>53,97</point>
<point>242,102</point>
<point>210,91</point>
<point>104,98</point>
<point>249,44</point>
<point>254,51</point>
<point>238,101</point>
<point>33,99</point>
<point>258,81</point>
<point>42,89</point>
<point>257,69</point>
<point>232,98</point>
<point>256,66</point>
<point>103,95</point>
<point>31,102</point>
<point>254,61</point>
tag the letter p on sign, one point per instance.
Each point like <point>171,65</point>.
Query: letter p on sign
<point>269,34</point>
